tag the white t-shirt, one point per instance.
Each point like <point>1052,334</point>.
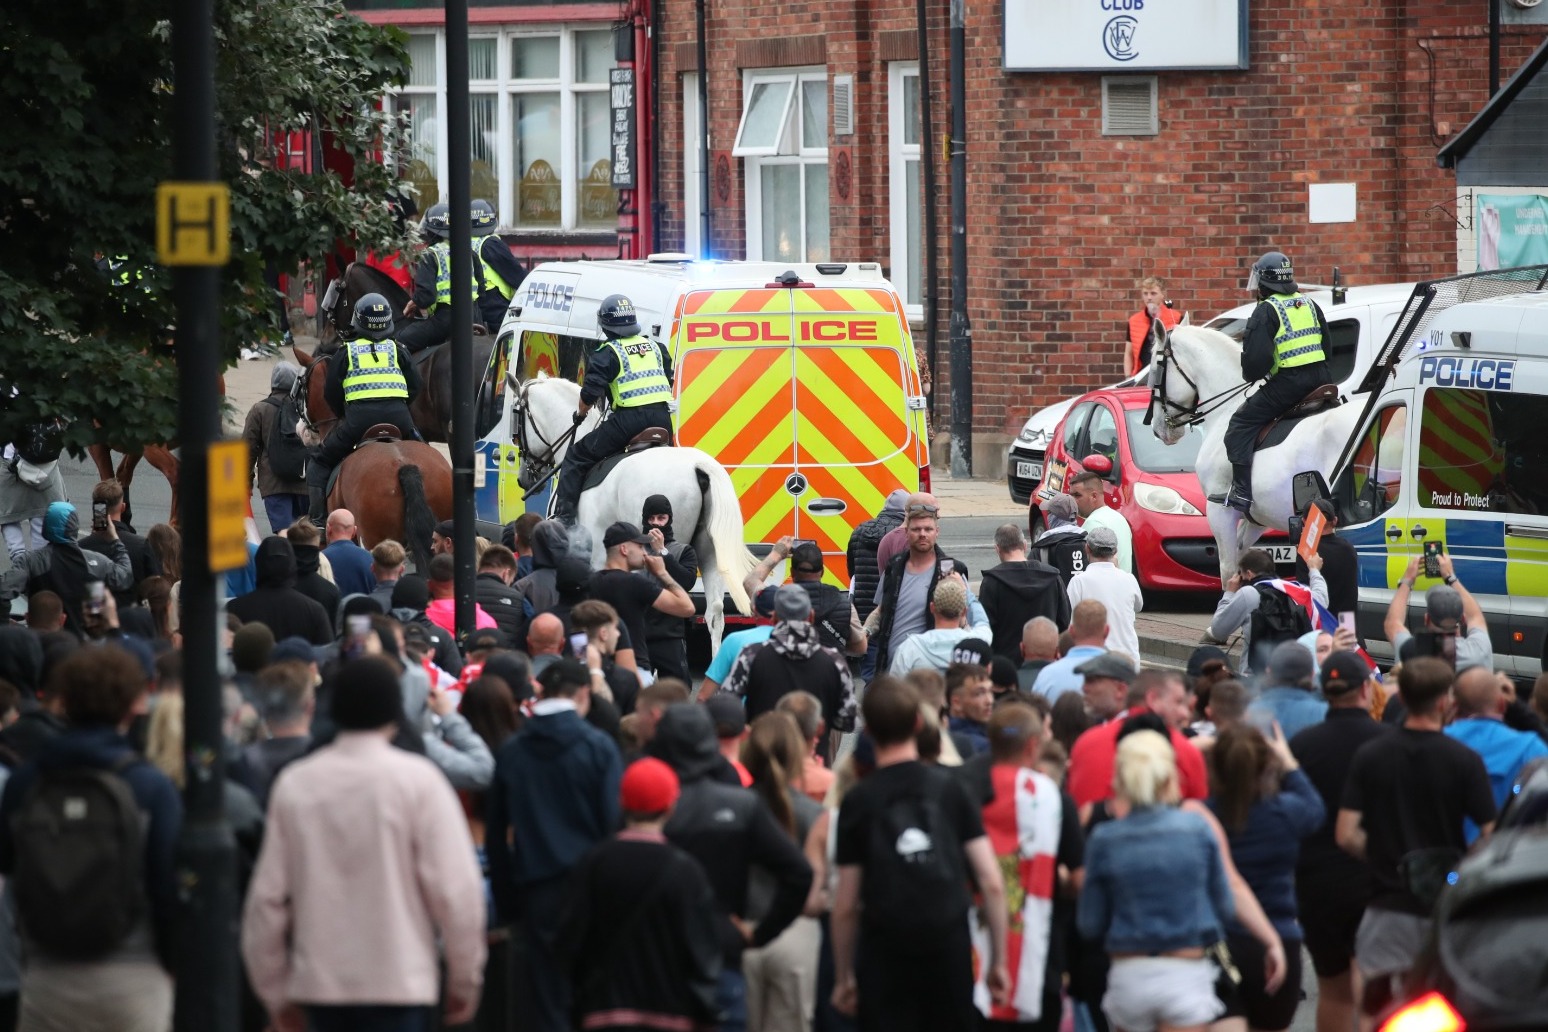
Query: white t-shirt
<point>1120,593</point>
<point>1113,520</point>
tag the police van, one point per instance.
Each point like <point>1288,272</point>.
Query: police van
<point>1451,449</point>
<point>801,380</point>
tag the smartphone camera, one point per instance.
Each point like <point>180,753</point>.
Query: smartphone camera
<point>96,597</point>
<point>355,643</point>
<point>578,645</point>
<point>99,516</point>
<point>948,567</point>
<point>1432,554</point>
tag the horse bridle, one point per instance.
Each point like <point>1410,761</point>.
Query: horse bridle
<point>1182,415</point>
<point>539,466</point>
<point>298,393</point>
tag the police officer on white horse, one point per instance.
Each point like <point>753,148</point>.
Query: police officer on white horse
<point>370,380</point>
<point>1285,341</point>
<point>635,374</point>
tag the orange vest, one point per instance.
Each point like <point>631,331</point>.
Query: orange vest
<point>1139,330</point>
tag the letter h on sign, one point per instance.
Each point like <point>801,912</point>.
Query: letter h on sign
<point>193,223</point>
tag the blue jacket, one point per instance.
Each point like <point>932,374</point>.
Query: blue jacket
<point>1154,883</point>
<point>1059,676</point>
<point>351,568</point>
<point>1267,848</point>
<point>972,731</point>
<point>158,799</point>
<point>1504,751</point>
<point>556,785</point>
<point>1295,708</point>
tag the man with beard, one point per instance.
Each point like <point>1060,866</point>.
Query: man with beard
<point>665,636</point>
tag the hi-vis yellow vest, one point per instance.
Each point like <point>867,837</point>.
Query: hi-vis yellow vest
<point>1299,340</point>
<point>373,373</point>
<point>641,379</point>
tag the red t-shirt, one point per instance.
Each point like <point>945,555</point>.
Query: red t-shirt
<point>1091,763</point>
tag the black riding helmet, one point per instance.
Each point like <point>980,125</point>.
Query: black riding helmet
<point>373,317</point>
<point>484,218</point>
<point>616,318</point>
<point>1272,274</point>
<point>437,222</point>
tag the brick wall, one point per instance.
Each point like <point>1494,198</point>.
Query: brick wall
<point>1063,221</point>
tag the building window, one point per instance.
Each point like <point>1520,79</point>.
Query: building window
<point>906,194</point>
<point>784,139</point>
<point>540,125</point>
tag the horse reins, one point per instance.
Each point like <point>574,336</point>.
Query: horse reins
<point>1186,415</point>
<point>298,394</point>
<point>527,454</point>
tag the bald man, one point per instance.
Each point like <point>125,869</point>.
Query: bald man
<point>1481,702</point>
<point>896,540</point>
<point>545,636</point>
<point>1039,647</point>
<point>351,563</point>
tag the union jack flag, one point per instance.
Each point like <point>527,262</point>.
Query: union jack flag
<point>1322,617</point>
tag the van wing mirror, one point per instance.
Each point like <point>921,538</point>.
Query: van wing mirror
<point>1305,488</point>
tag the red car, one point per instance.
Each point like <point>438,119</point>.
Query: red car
<point>1152,484</point>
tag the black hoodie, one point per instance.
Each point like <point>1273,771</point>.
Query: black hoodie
<point>540,590</point>
<point>313,584</point>
<point>276,603</point>
<point>1013,593</point>
<point>728,830</point>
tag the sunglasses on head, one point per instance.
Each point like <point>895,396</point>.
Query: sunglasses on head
<point>921,509</point>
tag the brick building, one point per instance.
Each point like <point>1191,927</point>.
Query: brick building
<point>1068,204</point>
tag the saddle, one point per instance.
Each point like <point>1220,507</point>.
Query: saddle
<point>1320,400</point>
<point>654,437</point>
<point>380,432</point>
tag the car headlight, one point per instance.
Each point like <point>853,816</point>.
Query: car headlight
<point>1028,436</point>
<point>1163,499</point>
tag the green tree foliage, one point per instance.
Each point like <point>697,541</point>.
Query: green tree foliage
<point>87,88</point>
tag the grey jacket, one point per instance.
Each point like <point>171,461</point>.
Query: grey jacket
<point>115,570</point>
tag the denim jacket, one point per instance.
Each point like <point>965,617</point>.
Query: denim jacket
<point>1154,883</point>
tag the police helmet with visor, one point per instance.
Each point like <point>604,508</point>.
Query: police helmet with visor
<point>1272,274</point>
<point>484,218</point>
<point>616,318</point>
<point>436,224</point>
<point>373,317</point>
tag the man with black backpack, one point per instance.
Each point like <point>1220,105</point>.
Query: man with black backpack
<point>87,836</point>
<point>908,835</point>
<point>277,453</point>
<point>1266,615</point>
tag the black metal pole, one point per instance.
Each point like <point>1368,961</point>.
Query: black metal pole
<point>207,983</point>
<point>961,329</point>
<point>1494,46</point>
<point>705,250</point>
<point>927,275</point>
<point>459,150</point>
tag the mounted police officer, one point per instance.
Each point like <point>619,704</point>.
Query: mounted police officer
<point>1284,341</point>
<point>496,269</point>
<point>635,374</point>
<point>432,285</point>
<point>370,380</point>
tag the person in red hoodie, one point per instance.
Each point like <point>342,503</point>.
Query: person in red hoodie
<point>1143,325</point>
<point>442,610</point>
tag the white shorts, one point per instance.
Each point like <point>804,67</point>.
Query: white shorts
<point>1144,992</point>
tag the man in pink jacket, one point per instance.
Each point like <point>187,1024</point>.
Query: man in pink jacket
<point>366,863</point>
<point>442,610</point>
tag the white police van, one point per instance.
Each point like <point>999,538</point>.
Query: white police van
<point>1451,449</point>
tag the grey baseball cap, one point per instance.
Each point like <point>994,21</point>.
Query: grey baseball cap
<point>1062,506</point>
<point>1101,539</point>
<point>1108,664</point>
<point>792,603</point>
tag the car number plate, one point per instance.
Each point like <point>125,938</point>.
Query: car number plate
<point>1282,553</point>
<point>1029,470</point>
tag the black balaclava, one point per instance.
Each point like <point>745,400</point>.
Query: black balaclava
<point>657,505</point>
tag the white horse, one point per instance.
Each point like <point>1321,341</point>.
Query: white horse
<point>704,502</point>
<point>1197,377</point>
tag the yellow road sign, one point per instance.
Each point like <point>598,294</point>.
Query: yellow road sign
<point>193,223</point>
<point>229,494</point>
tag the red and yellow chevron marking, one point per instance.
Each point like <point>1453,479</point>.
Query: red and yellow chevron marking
<point>539,354</point>
<point>1456,445</point>
<point>732,302</point>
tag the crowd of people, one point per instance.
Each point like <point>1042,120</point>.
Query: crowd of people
<point>891,802</point>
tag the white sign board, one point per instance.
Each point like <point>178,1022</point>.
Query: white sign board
<point>1124,35</point>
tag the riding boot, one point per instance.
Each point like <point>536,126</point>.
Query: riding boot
<point>318,513</point>
<point>1240,495</point>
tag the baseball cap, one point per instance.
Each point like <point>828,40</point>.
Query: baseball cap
<point>791,602</point>
<point>1343,672</point>
<point>1205,654</point>
<point>1002,673</point>
<point>1102,539</point>
<point>972,650</point>
<point>763,601</point>
<point>648,786</point>
<point>484,638</point>
<point>1291,663</point>
<point>806,557</point>
<point>727,714</point>
<point>1443,603</point>
<point>1062,506</point>
<point>294,647</point>
<point>1108,664</point>
<point>622,533</point>
<point>444,528</point>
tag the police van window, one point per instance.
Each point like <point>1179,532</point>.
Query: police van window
<point>553,354</point>
<point>1102,437</point>
<point>491,390</point>
<point>1341,348</point>
<point>1482,451</point>
<point>1232,326</point>
<point>1074,423</point>
<point>1372,482</point>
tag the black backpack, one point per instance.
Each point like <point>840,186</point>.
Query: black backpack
<point>1278,618</point>
<point>287,454</point>
<point>41,443</point>
<point>914,876</point>
<point>80,851</point>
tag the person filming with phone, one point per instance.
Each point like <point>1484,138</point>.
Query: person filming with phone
<point>1454,626</point>
<point>62,566</point>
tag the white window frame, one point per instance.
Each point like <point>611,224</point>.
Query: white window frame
<point>789,151</point>
<point>692,200</point>
<point>506,88</point>
<point>899,155</point>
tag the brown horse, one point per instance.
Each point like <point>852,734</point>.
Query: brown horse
<point>396,489</point>
<point>432,409</point>
<point>158,455</point>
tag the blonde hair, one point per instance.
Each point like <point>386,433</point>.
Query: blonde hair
<point>164,737</point>
<point>1153,281</point>
<point>1145,772</point>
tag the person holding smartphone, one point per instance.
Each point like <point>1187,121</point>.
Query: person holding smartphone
<point>62,566</point>
<point>1449,611</point>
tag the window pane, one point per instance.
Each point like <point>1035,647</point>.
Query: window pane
<point>910,110</point>
<point>483,110</point>
<point>1374,479</point>
<point>1102,437</point>
<point>913,221</point>
<point>482,58</point>
<point>598,199</point>
<point>535,57</point>
<point>763,124</point>
<point>780,186</point>
<point>816,212</point>
<point>536,123</point>
<point>1481,451</point>
<point>421,51</point>
<point>814,114</point>
<point>593,56</point>
<point>419,166</point>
